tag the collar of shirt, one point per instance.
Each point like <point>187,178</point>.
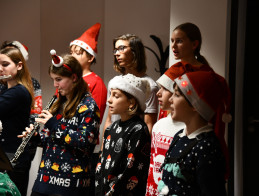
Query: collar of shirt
<point>193,135</point>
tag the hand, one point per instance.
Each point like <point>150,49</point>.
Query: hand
<point>28,130</point>
<point>44,117</point>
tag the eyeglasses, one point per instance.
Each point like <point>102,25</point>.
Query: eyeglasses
<point>121,49</point>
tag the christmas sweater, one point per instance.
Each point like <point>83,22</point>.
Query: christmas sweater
<point>98,90</point>
<point>67,148</point>
<point>37,99</point>
<point>162,135</point>
<point>122,168</point>
<point>200,172</point>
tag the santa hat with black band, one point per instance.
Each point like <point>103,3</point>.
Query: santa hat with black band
<point>88,40</point>
<point>210,95</point>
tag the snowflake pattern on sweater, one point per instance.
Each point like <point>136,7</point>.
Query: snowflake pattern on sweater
<point>67,148</point>
<point>123,165</point>
<point>204,163</point>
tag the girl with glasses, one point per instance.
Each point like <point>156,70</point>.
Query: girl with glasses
<point>129,57</point>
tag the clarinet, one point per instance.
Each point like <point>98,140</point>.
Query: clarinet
<point>25,141</point>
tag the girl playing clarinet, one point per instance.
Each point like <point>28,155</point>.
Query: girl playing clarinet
<point>70,133</point>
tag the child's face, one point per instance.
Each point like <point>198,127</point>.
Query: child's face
<point>123,54</point>
<point>183,48</point>
<point>118,103</point>
<point>8,67</point>
<point>181,110</point>
<point>163,97</point>
<point>64,85</point>
<point>80,55</point>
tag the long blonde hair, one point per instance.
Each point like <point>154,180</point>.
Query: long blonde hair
<point>80,88</point>
<point>23,76</point>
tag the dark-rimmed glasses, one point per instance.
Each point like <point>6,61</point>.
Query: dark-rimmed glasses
<point>121,49</point>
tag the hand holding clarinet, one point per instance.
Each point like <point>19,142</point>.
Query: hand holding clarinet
<point>43,118</point>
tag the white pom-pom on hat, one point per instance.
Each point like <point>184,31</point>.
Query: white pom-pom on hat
<point>165,190</point>
<point>57,61</point>
<point>53,52</point>
<point>226,118</point>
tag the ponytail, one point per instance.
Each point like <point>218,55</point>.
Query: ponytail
<point>201,59</point>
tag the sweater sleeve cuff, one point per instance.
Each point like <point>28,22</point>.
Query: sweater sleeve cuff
<point>51,123</point>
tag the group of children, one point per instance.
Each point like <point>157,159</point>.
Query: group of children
<point>182,154</point>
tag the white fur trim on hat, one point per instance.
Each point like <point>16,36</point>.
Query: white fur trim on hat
<point>189,92</point>
<point>85,46</point>
<point>22,49</point>
<point>136,86</point>
<point>166,82</point>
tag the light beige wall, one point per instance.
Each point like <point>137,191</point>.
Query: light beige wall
<point>211,17</point>
<point>20,20</point>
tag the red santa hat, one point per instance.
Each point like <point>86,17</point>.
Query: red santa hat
<point>23,49</point>
<point>88,40</point>
<point>210,95</point>
<point>176,70</point>
<point>57,61</point>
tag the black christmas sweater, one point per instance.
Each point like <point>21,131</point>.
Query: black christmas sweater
<point>15,106</point>
<point>200,172</point>
<point>123,166</point>
<point>67,148</point>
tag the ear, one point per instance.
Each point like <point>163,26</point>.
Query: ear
<point>195,44</point>
<point>91,59</point>
<point>132,102</point>
<point>19,65</point>
<point>74,77</point>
